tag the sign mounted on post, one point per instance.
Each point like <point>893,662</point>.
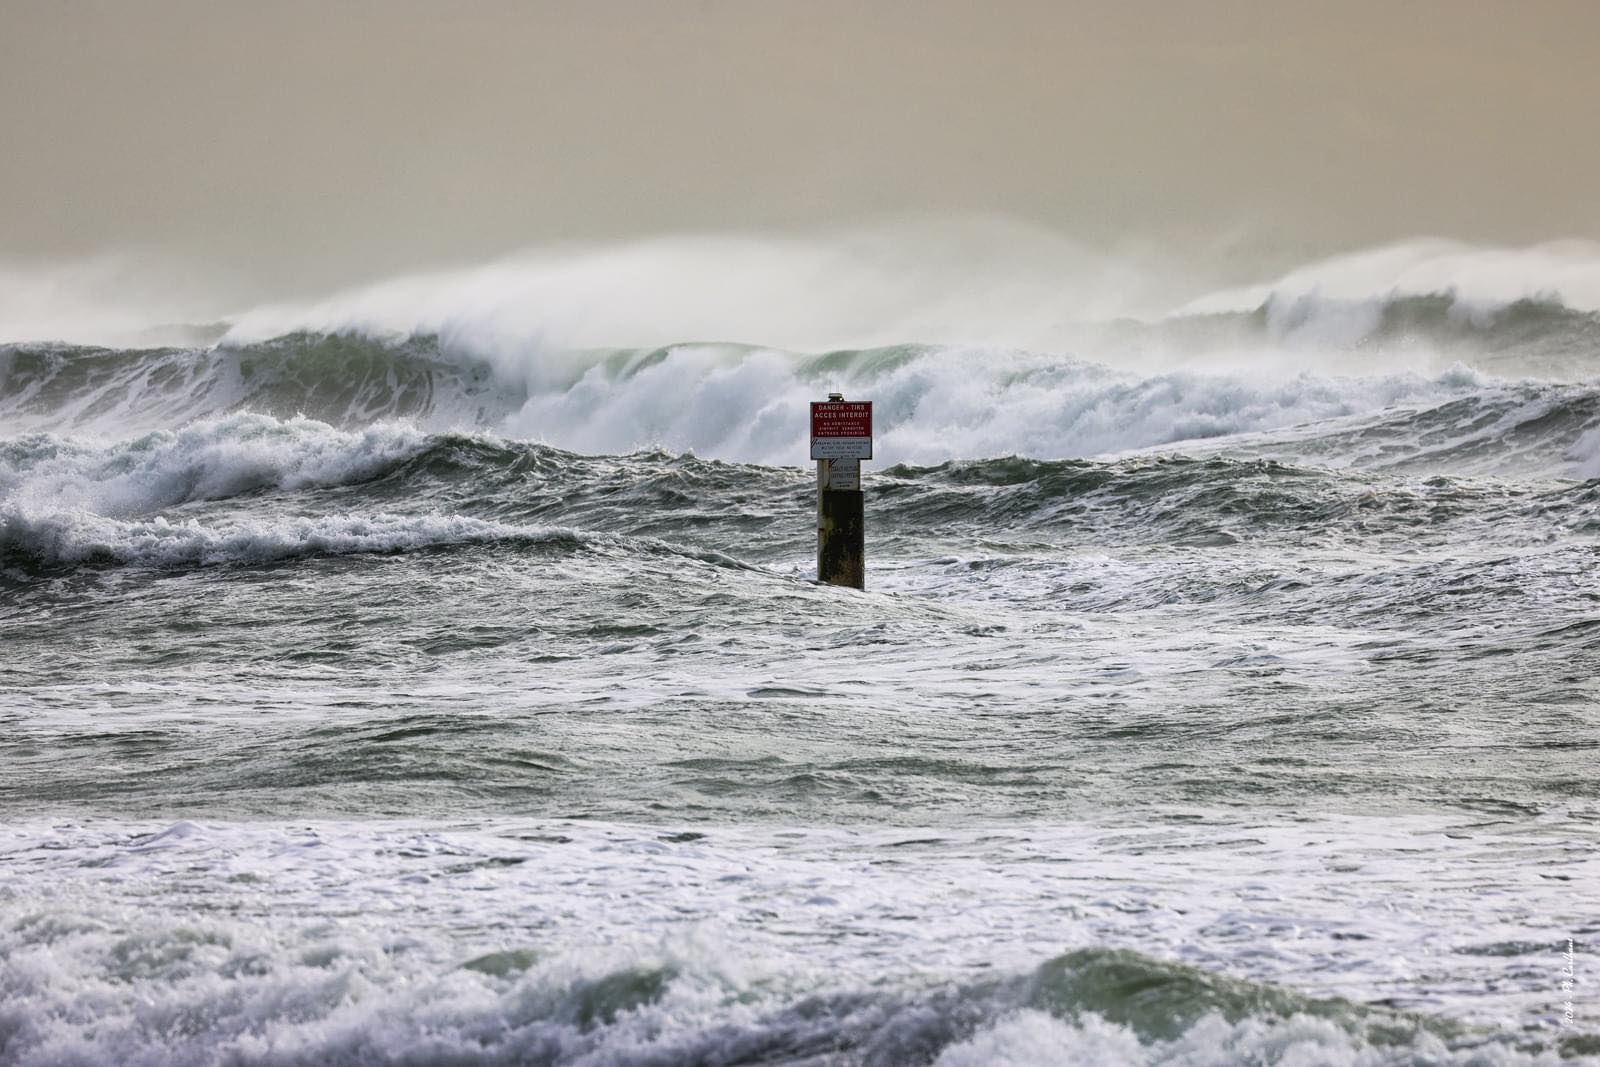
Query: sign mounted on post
<point>841,429</point>
<point>841,437</point>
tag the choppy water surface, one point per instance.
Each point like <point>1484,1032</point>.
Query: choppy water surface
<point>361,704</point>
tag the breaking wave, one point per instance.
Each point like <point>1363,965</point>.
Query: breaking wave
<point>208,460</point>
<point>64,501</point>
<point>211,990</point>
<point>427,393</point>
<point>743,403</point>
<point>251,488</point>
<point>570,346</point>
<point>59,538</point>
<point>747,403</point>
<point>344,379</point>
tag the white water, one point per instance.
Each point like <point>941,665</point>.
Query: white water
<point>66,500</point>
<point>1480,277</point>
<point>141,945</point>
<point>986,281</point>
<point>207,460</point>
<point>718,401</point>
<point>947,404</point>
<point>75,536</point>
<point>991,296</point>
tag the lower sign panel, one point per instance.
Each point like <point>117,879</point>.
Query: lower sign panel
<point>842,474</point>
<point>841,448</point>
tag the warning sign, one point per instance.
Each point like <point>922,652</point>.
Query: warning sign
<point>841,429</point>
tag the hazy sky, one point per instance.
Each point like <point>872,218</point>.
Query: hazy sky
<point>302,144</point>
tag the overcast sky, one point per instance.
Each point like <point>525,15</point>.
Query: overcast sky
<point>306,144</point>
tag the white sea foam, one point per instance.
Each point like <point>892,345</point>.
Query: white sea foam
<point>592,943</point>
<point>1585,454</point>
<point>1479,277</point>
<point>65,500</point>
<point>538,319</point>
<point>725,402</point>
<point>207,460</point>
<point>1034,1039</point>
<point>72,535</point>
<point>944,404</point>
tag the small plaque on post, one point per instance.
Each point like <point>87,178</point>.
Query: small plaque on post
<point>841,474</point>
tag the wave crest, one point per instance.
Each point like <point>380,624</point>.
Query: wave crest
<point>726,401</point>
<point>334,994</point>
<point>32,541</point>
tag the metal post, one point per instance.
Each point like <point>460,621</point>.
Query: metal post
<point>841,520</point>
<point>841,532</point>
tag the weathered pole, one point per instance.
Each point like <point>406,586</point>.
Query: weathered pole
<point>841,437</point>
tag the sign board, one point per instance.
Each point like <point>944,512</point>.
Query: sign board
<point>841,474</point>
<point>841,429</point>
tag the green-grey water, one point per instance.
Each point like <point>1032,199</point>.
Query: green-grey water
<point>360,703</point>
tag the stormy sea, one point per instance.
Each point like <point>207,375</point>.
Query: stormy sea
<point>1224,690</point>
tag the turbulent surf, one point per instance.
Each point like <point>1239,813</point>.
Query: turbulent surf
<point>1223,692</point>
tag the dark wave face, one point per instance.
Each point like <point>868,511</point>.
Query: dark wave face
<point>1222,693</point>
<point>391,487</point>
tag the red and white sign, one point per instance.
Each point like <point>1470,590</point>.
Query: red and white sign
<point>841,429</point>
